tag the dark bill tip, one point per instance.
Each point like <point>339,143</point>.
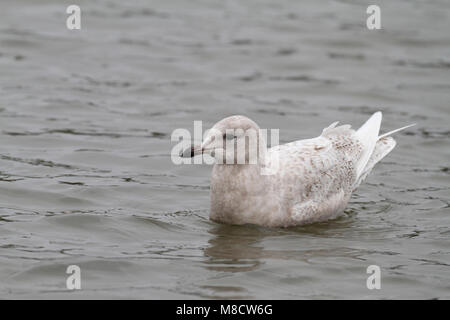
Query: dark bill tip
<point>188,152</point>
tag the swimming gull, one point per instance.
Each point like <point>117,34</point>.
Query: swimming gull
<point>297,183</point>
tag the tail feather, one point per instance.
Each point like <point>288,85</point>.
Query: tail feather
<point>394,131</point>
<point>372,155</point>
<point>382,148</point>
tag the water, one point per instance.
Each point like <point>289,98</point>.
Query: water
<point>85,124</point>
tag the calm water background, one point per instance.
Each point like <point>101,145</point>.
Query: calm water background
<point>85,122</point>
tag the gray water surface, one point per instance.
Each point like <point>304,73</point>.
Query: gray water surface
<point>86,176</point>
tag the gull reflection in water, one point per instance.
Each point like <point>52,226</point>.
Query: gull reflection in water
<point>241,248</point>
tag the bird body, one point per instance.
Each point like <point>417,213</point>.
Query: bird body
<point>312,181</point>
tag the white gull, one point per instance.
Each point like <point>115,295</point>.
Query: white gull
<point>313,180</point>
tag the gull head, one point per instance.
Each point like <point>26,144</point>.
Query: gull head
<point>233,140</point>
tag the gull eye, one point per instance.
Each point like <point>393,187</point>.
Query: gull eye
<point>229,136</point>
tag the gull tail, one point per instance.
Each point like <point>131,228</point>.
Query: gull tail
<point>375,146</point>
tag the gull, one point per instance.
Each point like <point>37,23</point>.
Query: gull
<point>297,183</point>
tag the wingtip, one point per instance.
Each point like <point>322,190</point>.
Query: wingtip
<point>378,114</point>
